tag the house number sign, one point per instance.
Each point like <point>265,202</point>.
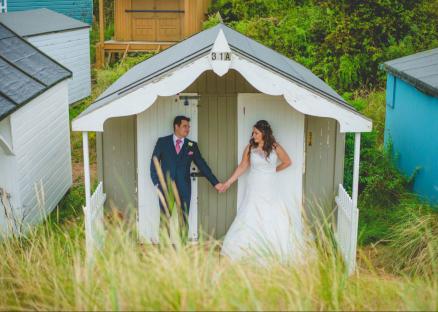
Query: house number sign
<point>221,56</point>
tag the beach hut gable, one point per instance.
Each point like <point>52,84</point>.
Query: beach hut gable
<point>221,49</point>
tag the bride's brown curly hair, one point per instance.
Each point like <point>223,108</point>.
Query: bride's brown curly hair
<point>268,138</point>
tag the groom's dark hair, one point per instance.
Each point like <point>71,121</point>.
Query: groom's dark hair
<point>179,119</point>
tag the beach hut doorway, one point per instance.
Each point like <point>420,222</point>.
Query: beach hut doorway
<point>153,123</point>
<point>218,144</point>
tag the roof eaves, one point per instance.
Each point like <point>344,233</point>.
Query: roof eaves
<point>299,81</point>
<point>163,71</point>
<point>158,73</point>
<point>417,83</point>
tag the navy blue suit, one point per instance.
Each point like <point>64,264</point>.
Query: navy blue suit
<point>178,166</point>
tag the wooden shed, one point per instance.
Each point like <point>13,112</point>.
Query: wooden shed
<point>225,82</point>
<point>63,38</point>
<point>35,164</point>
<point>150,25</point>
<point>81,10</point>
<point>411,124</point>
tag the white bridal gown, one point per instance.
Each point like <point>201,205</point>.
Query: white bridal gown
<point>265,225</point>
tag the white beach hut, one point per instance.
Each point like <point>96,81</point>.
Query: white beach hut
<point>63,38</point>
<point>225,82</point>
<point>35,164</point>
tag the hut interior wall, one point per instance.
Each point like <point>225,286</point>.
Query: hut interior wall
<point>116,163</point>
<point>217,135</point>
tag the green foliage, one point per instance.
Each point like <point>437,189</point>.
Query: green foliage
<point>381,187</point>
<point>70,207</point>
<point>343,42</point>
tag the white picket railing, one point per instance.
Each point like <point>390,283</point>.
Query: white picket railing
<point>346,229</point>
<point>3,6</point>
<point>94,231</point>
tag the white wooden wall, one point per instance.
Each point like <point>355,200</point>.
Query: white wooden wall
<point>8,178</point>
<point>288,128</point>
<point>71,49</point>
<point>41,136</point>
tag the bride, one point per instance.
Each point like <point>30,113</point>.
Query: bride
<point>265,225</point>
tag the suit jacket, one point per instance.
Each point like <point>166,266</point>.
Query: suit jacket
<point>178,165</point>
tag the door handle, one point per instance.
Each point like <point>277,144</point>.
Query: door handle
<point>196,174</point>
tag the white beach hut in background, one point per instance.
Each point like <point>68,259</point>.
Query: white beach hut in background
<point>63,38</point>
<point>35,163</point>
<point>225,82</point>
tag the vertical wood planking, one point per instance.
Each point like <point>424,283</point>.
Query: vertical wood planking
<point>218,121</point>
<point>223,158</point>
<point>213,156</point>
<point>231,130</point>
<point>218,144</point>
<point>204,148</point>
<point>122,20</point>
<point>323,163</point>
<point>119,165</point>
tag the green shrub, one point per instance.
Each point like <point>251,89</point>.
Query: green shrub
<point>342,42</point>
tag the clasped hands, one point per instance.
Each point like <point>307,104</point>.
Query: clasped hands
<point>222,187</point>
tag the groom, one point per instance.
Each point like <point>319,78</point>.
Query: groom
<point>175,153</point>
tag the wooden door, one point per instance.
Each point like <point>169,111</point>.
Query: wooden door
<point>321,173</point>
<point>143,23</point>
<point>155,20</point>
<point>218,145</point>
<point>155,122</point>
<point>169,24</point>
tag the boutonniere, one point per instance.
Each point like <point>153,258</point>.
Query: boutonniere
<point>190,144</point>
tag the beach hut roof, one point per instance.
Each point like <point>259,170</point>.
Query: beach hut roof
<point>420,70</point>
<point>25,72</point>
<point>39,21</point>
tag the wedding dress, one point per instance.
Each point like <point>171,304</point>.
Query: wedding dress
<point>266,225</point>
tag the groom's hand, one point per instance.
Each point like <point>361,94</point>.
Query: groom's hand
<point>219,187</point>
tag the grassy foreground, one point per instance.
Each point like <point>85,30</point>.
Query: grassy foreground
<point>47,270</point>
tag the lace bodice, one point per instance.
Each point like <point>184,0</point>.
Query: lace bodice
<point>259,163</point>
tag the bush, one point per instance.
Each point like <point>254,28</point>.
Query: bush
<point>342,42</point>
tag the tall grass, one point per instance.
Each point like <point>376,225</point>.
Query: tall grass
<point>414,240</point>
<point>47,270</point>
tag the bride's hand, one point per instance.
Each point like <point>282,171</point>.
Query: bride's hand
<point>226,186</point>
